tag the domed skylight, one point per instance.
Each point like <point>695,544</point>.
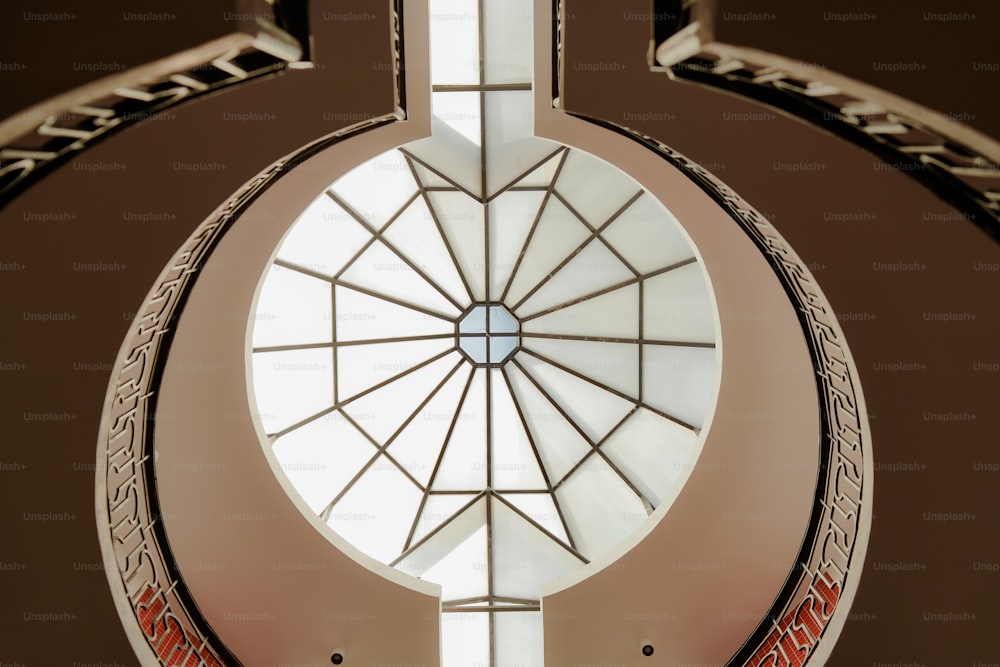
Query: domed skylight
<point>484,358</point>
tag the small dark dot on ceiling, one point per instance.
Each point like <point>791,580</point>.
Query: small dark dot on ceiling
<point>647,649</point>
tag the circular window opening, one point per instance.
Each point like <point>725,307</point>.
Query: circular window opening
<point>485,359</point>
<point>488,334</point>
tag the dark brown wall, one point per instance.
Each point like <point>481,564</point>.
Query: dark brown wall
<point>893,260</point>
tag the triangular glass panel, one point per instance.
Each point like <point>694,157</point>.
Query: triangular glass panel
<point>594,409</point>
<point>381,412</point>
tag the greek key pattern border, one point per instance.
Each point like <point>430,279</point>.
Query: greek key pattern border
<point>958,173</point>
<point>63,135</point>
<point>163,610</point>
<point>793,628</point>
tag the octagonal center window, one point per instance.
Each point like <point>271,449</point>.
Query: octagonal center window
<point>488,335</point>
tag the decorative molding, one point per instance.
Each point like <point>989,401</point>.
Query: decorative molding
<point>957,164</point>
<point>160,613</point>
<point>49,134</point>
<point>836,539</point>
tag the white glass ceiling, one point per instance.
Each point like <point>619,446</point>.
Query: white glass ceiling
<point>484,358</point>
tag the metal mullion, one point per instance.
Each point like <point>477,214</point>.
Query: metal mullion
<point>462,601</point>
<point>519,601</point>
<point>491,609</point>
<point>325,513</point>
<point>595,233</point>
<point>392,379</point>
<point>642,332</point>
<point>537,526</point>
<point>423,403</point>
<point>538,458</point>
<point>397,339</point>
<point>578,374</point>
<point>292,266</point>
<point>391,299</point>
<point>291,347</point>
<point>596,446</point>
<point>437,223</point>
<point>377,235</point>
<point>440,458</point>
<point>596,451</point>
<point>437,529</point>
<point>523,174</point>
<point>440,188</point>
<point>611,339</point>
<point>527,188</point>
<point>550,399</point>
<point>534,225</point>
<point>611,288</point>
<point>368,225</point>
<point>333,340</point>
<point>472,87</point>
<point>381,448</point>
<point>308,420</point>
<point>611,390</point>
<point>437,171</point>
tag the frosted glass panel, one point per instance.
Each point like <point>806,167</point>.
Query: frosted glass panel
<point>417,447</point>
<point>518,639</point>
<point>557,235</point>
<point>511,147</point>
<point>360,367</point>
<point>429,178</point>
<point>454,41</point>
<point>415,236</point>
<point>426,554</point>
<point>594,409</point>
<point>321,457</point>
<point>451,154</point>
<point>648,236</point>
<point>377,189</point>
<point>541,175</point>
<point>680,381</point>
<point>678,306</point>
<point>511,217</point>
<point>524,558</point>
<point>614,365</point>
<point>290,386</point>
<point>381,412</point>
<point>508,41</point>
<point>560,446</point>
<point>383,271</point>
<point>465,639</point>
<point>541,508</point>
<point>364,317</point>
<point>653,452</point>
<point>593,187</point>
<point>593,269</point>
<point>464,464</point>
<point>324,238</point>
<point>514,463</point>
<point>465,227</point>
<point>384,498</point>
<point>437,510</point>
<point>292,308</point>
<point>600,508</point>
<point>611,315</point>
<point>461,112</point>
<point>454,557</point>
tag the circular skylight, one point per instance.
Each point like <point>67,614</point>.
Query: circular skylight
<point>485,395</point>
<point>484,358</point>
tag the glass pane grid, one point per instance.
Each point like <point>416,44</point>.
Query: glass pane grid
<point>519,362</point>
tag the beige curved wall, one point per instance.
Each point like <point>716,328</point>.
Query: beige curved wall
<point>730,536</point>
